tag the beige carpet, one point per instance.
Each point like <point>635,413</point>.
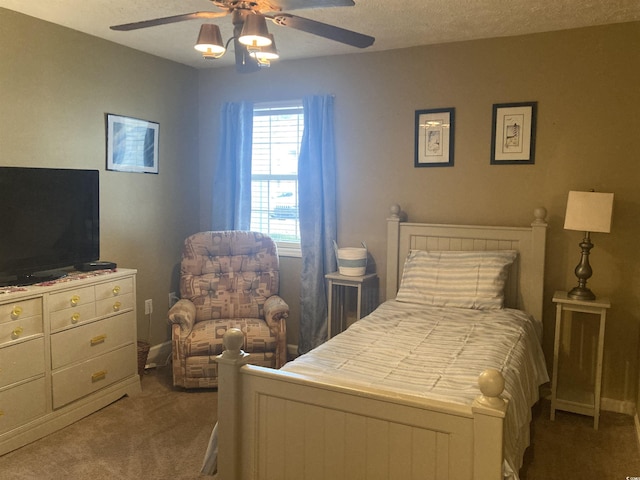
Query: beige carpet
<point>163,434</point>
<point>569,447</point>
<point>160,434</point>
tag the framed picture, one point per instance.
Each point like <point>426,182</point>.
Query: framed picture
<point>434,137</point>
<point>513,135</point>
<point>132,144</point>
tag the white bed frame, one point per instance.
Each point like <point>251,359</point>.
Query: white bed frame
<point>279,425</point>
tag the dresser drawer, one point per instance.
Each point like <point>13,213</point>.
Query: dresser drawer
<point>21,361</point>
<point>19,329</point>
<point>74,382</point>
<point>20,310</point>
<point>113,305</point>
<point>115,288</point>
<point>20,404</point>
<point>71,298</point>
<point>72,316</point>
<point>93,339</point>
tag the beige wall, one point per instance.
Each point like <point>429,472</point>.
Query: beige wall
<point>55,87</point>
<point>585,83</point>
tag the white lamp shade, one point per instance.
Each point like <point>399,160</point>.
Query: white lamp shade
<point>589,212</point>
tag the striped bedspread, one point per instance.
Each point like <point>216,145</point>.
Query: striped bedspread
<point>438,353</point>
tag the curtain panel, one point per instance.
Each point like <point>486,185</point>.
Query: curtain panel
<point>318,225</point>
<point>231,208</point>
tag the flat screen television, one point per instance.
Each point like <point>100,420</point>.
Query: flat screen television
<point>49,219</point>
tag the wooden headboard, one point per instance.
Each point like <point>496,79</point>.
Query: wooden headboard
<point>525,284</point>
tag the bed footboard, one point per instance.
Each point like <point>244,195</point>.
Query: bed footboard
<point>274,424</point>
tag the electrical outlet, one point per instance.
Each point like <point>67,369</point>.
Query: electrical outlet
<point>148,307</point>
<point>173,298</point>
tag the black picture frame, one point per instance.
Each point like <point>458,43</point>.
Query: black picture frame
<point>513,133</point>
<point>434,137</point>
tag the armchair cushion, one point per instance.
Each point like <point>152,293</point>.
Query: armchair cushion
<point>206,337</point>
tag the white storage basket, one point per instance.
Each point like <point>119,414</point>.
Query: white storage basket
<point>352,261</point>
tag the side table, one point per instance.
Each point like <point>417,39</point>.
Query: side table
<point>567,397</point>
<point>366,296</point>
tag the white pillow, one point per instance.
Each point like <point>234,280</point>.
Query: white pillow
<point>467,279</point>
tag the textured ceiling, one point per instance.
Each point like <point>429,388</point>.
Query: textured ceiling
<point>394,23</point>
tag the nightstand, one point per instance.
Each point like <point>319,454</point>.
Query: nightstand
<point>567,395</point>
<point>344,291</point>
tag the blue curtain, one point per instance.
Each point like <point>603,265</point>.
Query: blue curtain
<point>232,178</point>
<point>317,203</point>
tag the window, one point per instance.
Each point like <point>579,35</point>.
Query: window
<point>277,133</point>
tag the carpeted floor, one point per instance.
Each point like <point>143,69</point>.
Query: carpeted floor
<point>569,447</point>
<point>160,434</point>
<point>163,434</point>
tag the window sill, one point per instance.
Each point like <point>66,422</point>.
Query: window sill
<point>292,252</point>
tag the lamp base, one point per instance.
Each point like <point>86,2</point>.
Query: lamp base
<point>581,293</point>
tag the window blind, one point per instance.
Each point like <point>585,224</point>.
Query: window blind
<point>277,133</point>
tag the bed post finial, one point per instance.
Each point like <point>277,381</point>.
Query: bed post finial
<point>540,215</point>
<point>491,383</point>
<point>233,340</point>
<point>396,214</point>
<point>395,211</point>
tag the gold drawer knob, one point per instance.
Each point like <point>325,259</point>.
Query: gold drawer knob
<point>16,312</point>
<point>75,300</point>
<point>17,332</point>
<point>116,290</point>
<point>116,306</point>
<point>75,318</point>
<point>99,339</point>
<point>101,375</point>
<point>1,413</point>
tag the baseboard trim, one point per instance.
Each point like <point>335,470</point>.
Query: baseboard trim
<point>159,355</point>
<point>618,406</point>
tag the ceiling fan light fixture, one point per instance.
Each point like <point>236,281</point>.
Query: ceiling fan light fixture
<point>267,53</point>
<point>254,32</point>
<point>210,41</point>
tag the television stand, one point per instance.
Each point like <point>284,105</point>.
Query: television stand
<point>67,349</point>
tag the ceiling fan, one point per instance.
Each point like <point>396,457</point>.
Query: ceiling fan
<point>253,45</point>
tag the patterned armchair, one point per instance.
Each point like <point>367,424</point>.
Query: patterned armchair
<point>227,280</point>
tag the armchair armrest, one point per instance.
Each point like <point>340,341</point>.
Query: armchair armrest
<point>276,312</point>
<point>275,308</point>
<point>183,313</point>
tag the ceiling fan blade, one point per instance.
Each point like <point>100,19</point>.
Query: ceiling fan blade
<point>323,30</point>
<point>298,4</point>
<point>165,20</point>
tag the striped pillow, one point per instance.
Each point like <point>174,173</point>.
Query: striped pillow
<point>466,279</point>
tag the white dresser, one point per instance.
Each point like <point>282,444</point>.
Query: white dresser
<point>67,349</point>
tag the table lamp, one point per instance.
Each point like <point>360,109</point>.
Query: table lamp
<point>587,212</point>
